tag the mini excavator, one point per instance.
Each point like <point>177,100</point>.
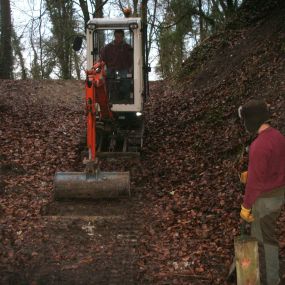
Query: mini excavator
<point>114,111</point>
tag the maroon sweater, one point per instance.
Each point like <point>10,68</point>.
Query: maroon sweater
<point>117,56</point>
<point>266,170</point>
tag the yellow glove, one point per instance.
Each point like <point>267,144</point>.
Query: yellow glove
<point>243,177</point>
<point>246,215</point>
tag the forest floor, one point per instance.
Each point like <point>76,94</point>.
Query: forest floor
<point>43,241</point>
<point>179,225</point>
<point>89,242</point>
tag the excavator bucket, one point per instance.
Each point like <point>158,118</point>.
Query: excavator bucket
<point>80,185</point>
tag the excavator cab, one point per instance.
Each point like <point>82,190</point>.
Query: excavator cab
<point>100,34</point>
<point>126,81</point>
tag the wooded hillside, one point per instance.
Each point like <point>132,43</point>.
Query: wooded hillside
<point>196,146</point>
<point>179,225</point>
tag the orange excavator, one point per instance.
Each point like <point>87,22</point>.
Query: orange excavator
<point>114,113</point>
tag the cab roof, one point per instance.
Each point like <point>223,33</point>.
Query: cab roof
<point>114,23</point>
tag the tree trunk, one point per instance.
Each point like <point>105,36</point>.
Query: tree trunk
<point>135,5</point>
<point>35,66</point>
<point>144,22</point>
<point>201,26</point>
<point>6,58</point>
<point>85,11</point>
<point>151,31</point>
<point>41,41</point>
<point>76,65</point>
<point>99,9</point>
<point>18,52</point>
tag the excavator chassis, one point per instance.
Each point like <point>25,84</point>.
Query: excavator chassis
<point>124,144</point>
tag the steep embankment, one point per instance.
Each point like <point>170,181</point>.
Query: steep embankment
<point>194,149</point>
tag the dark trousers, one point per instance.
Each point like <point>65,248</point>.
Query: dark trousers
<point>266,210</point>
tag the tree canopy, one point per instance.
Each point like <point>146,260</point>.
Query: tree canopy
<point>42,47</point>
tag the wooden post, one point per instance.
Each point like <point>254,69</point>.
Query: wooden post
<point>247,261</point>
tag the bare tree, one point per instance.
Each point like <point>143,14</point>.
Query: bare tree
<point>85,11</point>
<point>63,28</point>
<point>96,7</point>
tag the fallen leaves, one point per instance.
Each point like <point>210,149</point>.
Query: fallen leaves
<point>187,183</point>
<point>194,153</point>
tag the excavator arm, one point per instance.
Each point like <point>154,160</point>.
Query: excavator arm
<point>96,93</point>
<point>93,184</point>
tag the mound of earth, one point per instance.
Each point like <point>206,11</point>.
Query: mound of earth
<point>195,149</point>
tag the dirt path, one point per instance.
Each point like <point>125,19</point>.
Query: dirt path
<point>111,230</point>
<point>84,243</point>
<point>47,242</point>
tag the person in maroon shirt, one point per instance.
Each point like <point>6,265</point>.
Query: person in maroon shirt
<point>265,185</point>
<point>118,55</point>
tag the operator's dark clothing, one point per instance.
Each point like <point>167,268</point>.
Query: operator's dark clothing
<point>265,194</point>
<point>117,56</point>
<point>119,61</point>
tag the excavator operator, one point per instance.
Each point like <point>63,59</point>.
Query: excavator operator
<point>118,56</point>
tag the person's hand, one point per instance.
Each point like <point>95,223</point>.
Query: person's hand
<point>243,177</point>
<point>246,215</point>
